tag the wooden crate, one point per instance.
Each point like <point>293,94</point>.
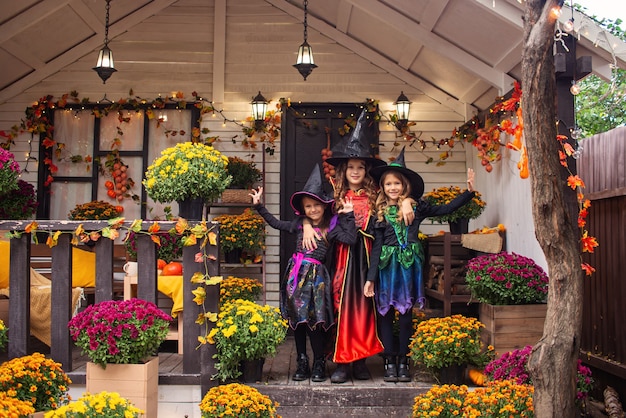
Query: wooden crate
<point>510,327</point>
<point>139,383</point>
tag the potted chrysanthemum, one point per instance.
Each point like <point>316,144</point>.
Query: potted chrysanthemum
<point>245,331</point>
<point>233,288</point>
<point>516,400</point>
<point>121,338</point>
<point>445,346</point>
<point>513,366</point>
<point>36,379</point>
<point>512,290</point>
<point>235,401</point>
<point>242,236</point>
<point>20,203</point>
<point>9,172</point>
<point>102,404</point>
<point>445,195</point>
<point>185,172</point>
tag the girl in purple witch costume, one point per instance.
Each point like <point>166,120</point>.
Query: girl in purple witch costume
<point>394,278</point>
<point>305,290</point>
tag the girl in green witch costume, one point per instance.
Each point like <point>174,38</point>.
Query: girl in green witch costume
<point>394,279</point>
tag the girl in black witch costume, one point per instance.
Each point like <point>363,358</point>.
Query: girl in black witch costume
<point>394,278</point>
<point>305,298</point>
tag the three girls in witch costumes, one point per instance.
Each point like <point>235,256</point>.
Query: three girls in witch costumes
<point>394,279</point>
<point>356,336</point>
<point>305,290</point>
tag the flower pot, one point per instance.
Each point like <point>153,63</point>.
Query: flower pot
<point>139,383</point>
<point>251,370</point>
<point>236,196</point>
<point>191,209</point>
<point>39,414</point>
<point>233,256</point>
<point>452,375</point>
<point>510,327</point>
<point>460,226</point>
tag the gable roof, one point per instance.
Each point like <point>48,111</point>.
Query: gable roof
<point>460,54</point>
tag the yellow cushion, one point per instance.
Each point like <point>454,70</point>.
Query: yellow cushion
<point>83,266</point>
<point>5,251</point>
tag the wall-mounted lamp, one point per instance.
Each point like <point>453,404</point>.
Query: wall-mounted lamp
<point>575,89</point>
<point>105,66</point>
<point>403,105</point>
<point>304,63</point>
<point>259,107</point>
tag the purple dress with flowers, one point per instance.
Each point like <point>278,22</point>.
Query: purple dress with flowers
<point>305,290</point>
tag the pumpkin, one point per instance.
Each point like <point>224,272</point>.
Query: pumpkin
<point>172,269</point>
<point>477,377</point>
<point>161,263</point>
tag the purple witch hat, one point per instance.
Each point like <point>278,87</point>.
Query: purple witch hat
<point>356,147</point>
<point>313,189</point>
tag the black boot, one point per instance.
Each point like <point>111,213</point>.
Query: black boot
<point>403,370</point>
<point>391,372</point>
<point>302,372</point>
<point>360,371</point>
<point>341,373</point>
<point>319,370</point>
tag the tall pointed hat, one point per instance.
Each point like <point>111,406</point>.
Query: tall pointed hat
<point>415,180</point>
<point>313,189</point>
<point>356,147</point>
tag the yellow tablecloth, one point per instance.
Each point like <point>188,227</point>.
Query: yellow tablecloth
<point>172,287</point>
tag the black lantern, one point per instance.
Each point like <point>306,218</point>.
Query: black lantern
<point>403,105</point>
<point>259,107</point>
<point>105,66</point>
<point>304,63</point>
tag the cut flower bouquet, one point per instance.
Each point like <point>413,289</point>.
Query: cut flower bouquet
<point>185,171</point>
<point>120,331</point>
<point>447,341</point>
<point>506,279</point>
<point>445,195</point>
<point>245,331</point>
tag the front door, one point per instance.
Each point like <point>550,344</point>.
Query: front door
<point>306,130</point>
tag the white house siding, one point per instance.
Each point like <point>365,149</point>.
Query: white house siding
<point>260,57</point>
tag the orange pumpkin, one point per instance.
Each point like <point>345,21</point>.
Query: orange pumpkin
<point>172,269</point>
<point>161,263</point>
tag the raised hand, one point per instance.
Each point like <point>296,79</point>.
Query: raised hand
<point>347,204</point>
<point>256,195</point>
<point>470,179</point>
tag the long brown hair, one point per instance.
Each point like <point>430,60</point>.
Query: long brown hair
<point>342,186</point>
<point>381,201</point>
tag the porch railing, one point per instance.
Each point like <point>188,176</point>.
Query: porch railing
<point>61,290</point>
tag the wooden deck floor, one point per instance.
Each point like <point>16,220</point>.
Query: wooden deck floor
<point>276,371</point>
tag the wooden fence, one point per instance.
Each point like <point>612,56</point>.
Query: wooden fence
<point>603,168</point>
<point>61,290</point>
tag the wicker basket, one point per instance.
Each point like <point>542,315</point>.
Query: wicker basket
<point>236,196</point>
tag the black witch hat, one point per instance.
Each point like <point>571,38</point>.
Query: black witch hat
<point>313,189</point>
<point>415,180</point>
<point>356,148</point>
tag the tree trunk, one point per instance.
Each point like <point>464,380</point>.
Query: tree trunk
<point>552,364</point>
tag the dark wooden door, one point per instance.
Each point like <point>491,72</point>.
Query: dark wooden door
<point>306,130</point>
